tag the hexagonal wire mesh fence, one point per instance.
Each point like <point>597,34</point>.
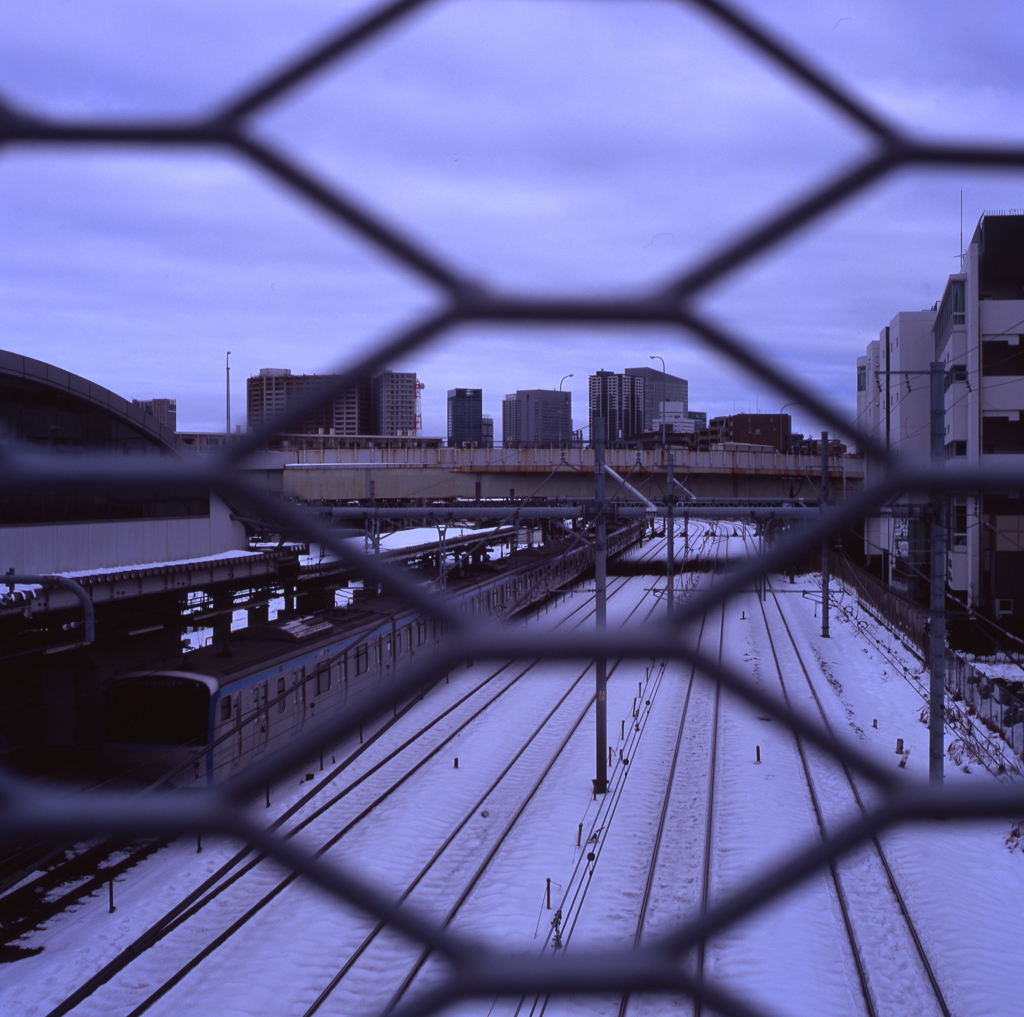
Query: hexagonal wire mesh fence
<point>472,971</point>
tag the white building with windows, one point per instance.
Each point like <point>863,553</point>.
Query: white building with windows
<point>977,331</point>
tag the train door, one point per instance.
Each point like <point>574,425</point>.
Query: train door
<point>299,695</point>
<point>282,698</point>
<point>239,738</point>
<point>262,719</point>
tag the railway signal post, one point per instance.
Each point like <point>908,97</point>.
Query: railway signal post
<point>937,592</point>
<point>670,533</point>
<point>600,608</point>
<point>824,540</point>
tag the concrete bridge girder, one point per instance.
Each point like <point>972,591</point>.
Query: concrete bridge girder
<point>339,483</point>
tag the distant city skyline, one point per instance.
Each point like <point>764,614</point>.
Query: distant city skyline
<point>140,268</point>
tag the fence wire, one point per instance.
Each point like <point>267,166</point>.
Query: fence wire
<point>473,971</point>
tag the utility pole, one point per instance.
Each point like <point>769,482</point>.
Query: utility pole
<point>937,599</point>
<point>824,540</point>
<point>600,608</point>
<point>227,393</point>
<point>670,534</point>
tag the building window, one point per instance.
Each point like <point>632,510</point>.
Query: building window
<point>1009,533</point>
<point>1002,435</point>
<point>960,522</point>
<point>956,449</point>
<point>1001,358</point>
<point>862,378</point>
<point>958,372</point>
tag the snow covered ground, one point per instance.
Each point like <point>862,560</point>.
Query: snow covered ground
<point>475,844</point>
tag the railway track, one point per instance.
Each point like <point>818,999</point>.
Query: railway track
<point>575,894</point>
<point>825,785</point>
<point>479,868</point>
<point>234,870</point>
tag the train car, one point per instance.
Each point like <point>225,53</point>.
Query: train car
<point>212,712</point>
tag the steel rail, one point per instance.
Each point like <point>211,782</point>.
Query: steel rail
<point>837,883</point>
<point>489,857</point>
<point>645,900</point>
<point>575,894</point>
<point>890,876</point>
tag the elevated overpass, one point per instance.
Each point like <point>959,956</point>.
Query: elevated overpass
<point>345,475</point>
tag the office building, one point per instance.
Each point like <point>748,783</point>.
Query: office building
<point>275,390</point>
<point>659,388</point>
<point>619,399</point>
<point>164,411</point>
<point>772,430</point>
<point>536,417</point>
<point>977,331</point>
<point>385,404</point>
<point>465,417</point>
<point>393,404</point>
<point>486,431</point>
<point>677,419</point>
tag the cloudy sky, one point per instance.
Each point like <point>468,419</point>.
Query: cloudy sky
<point>547,146</point>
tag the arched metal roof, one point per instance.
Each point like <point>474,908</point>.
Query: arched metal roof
<point>15,365</point>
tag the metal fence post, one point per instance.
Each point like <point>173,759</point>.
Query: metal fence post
<point>824,540</point>
<point>937,593</point>
<point>600,608</point>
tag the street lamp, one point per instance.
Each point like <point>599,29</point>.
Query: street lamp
<point>560,383</point>
<point>794,402</point>
<point>227,396</point>
<point>654,356</point>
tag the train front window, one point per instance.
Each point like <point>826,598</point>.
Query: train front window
<point>157,710</point>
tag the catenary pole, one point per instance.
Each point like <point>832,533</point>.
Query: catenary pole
<point>670,534</point>
<point>937,598</point>
<point>824,540</point>
<point>600,608</point>
<point>227,396</point>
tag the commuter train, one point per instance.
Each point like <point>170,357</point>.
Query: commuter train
<point>214,711</point>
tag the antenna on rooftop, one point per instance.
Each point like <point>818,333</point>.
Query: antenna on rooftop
<point>227,393</point>
<point>961,229</point>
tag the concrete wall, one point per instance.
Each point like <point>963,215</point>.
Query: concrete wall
<point>79,547</point>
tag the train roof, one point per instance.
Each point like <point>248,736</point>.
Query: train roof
<point>255,648</point>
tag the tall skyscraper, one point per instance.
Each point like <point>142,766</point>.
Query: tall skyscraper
<point>165,410</point>
<point>619,399</point>
<point>660,388</point>
<point>537,416</point>
<point>465,417</point>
